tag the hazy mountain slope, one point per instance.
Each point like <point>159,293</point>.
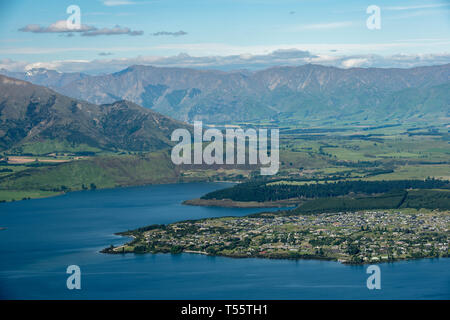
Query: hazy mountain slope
<point>319,92</point>
<point>30,113</point>
<point>308,92</point>
<point>424,103</point>
<point>48,78</point>
<point>317,78</point>
<point>185,94</point>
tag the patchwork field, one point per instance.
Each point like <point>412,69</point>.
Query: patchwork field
<point>310,154</point>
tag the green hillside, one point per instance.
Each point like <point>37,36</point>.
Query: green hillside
<point>31,116</point>
<point>98,172</point>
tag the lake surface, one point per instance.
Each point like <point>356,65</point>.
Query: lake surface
<point>44,236</point>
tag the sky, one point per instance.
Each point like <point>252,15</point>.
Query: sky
<point>222,34</point>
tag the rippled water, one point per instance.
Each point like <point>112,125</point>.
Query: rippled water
<point>44,236</point>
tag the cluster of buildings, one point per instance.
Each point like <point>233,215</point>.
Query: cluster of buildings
<point>354,237</point>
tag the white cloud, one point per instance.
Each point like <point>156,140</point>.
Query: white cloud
<point>12,65</point>
<point>168,33</point>
<point>57,27</point>
<point>223,49</point>
<point>353,63</point>
<point>344,48</point>
<point>322,26</point>
<point>288,57</point>
<point>415,7</point>
<point>117,30</point>
<point>90,31</point>
<point>112,3</point>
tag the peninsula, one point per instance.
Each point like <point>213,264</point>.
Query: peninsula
<point>347,237</point>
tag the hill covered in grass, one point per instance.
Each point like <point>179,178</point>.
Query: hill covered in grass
<point>31,115</point>
<point>89,174</point>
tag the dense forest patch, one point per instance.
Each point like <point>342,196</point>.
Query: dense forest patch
<point>261,191</point>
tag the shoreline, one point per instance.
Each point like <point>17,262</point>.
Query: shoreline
<point>187,240</point>
<point>59,193</point>
<point>228,203</point>
<point>305,257</point>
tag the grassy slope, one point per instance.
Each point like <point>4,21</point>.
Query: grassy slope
<point>14,195</point>
<point>49,146</point>
<point>103,172</point>
<point>395,157</point>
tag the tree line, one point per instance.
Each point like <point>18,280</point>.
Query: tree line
<point>261,191</point>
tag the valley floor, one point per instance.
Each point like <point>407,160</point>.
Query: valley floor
<point>314,153</point>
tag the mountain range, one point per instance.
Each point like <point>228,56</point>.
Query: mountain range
<point>302,93</point>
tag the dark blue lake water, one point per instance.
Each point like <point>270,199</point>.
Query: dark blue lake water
<point>44,236</point>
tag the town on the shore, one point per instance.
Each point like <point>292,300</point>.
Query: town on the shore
<point>347,237</point>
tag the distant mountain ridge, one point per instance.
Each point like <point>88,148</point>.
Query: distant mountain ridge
<point>44,77</point>
<point>31,113</point>
<point>307,92</point>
